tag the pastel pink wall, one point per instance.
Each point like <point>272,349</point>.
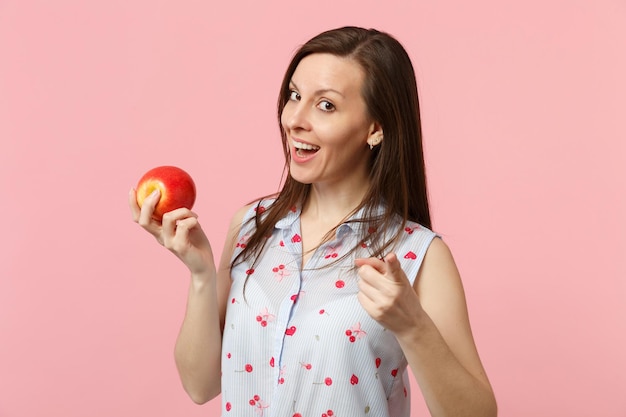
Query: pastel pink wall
<point>523,110</point>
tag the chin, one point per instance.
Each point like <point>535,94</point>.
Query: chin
<point>297,175</point>
<point>300,180</point>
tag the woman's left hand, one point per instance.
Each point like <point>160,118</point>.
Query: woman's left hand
<point>387,295</point>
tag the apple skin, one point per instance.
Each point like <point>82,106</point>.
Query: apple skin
<point>176,186</point>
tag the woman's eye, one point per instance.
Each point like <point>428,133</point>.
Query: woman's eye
<point>293,95</point>
<point>326,105</point>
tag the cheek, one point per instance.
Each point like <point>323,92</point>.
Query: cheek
<point>286,115</point>
<point>349,138</point>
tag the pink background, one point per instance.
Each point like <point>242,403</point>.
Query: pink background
<point>524,119</point>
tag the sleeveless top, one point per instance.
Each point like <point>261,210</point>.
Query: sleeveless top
<point>297,342</point>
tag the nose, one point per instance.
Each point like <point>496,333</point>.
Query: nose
<point>295,116</point>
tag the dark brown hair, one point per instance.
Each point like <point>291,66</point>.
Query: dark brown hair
<point>397,172</point>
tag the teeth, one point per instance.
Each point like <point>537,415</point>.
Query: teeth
<point>306,146</point>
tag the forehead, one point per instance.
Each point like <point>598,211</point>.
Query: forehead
<point>329,72</point>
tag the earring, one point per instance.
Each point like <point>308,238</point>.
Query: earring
<point>374,141</point>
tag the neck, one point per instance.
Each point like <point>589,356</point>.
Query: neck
<point>327,205</point>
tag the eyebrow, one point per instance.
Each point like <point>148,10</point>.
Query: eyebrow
<point>320,91</point>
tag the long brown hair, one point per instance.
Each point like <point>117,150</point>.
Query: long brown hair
<point>397,172</point>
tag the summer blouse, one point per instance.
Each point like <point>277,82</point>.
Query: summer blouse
<point>298,343</point>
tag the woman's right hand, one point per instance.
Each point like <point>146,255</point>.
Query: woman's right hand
<point>179,232</point>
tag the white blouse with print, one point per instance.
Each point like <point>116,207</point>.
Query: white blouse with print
<point>298,343</point>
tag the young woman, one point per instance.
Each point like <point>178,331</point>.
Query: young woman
<point>327,291</point>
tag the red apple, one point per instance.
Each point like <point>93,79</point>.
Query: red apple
<point>176,186</point>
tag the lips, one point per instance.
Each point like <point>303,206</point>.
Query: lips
<point>303,151</point>
<point>298,144</point>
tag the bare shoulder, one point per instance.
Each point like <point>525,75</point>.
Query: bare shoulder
<point>438,253</point>
<point>237,220</point>
<point>438,264</point>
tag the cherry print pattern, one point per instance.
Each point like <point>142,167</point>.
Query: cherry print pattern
<point>281,378</point>
<point>294,409</point>
<point>355,333</point>
<point>259,405</point>
<point>265,317</point>
<point>331,252</point>
<point>295,297</point>
<point>243,241</point>
<point>280,272</point>
<point>328,381</point>
<point>410,230</point>
<point>279,281</point>
<point>247,368</point>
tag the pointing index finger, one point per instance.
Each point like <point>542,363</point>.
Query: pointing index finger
<point>393,266</point>
<point>376,263</point>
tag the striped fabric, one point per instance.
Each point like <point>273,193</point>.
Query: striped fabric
<point>298,343</point>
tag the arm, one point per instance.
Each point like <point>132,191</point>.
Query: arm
<point>431,324</point>
<point>199,343</point>
<point>198,346</point>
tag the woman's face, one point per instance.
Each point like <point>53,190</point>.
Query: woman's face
<point>326,121</point>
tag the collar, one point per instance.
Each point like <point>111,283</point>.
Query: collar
<point>351,225</point>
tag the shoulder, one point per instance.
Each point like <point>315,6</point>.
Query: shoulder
<point>439,276</point>
<point>236,223</point>
<point>438,255</point>
<point>250,210</point>
<point>240,215</point>
<point>414,238</point>
<point>241,220</point>
<point>438,262</point>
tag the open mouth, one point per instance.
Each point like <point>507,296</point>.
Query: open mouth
<point>304,150</point>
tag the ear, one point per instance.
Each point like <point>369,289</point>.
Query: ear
<point>375,129</point>
<point>375,135</point>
